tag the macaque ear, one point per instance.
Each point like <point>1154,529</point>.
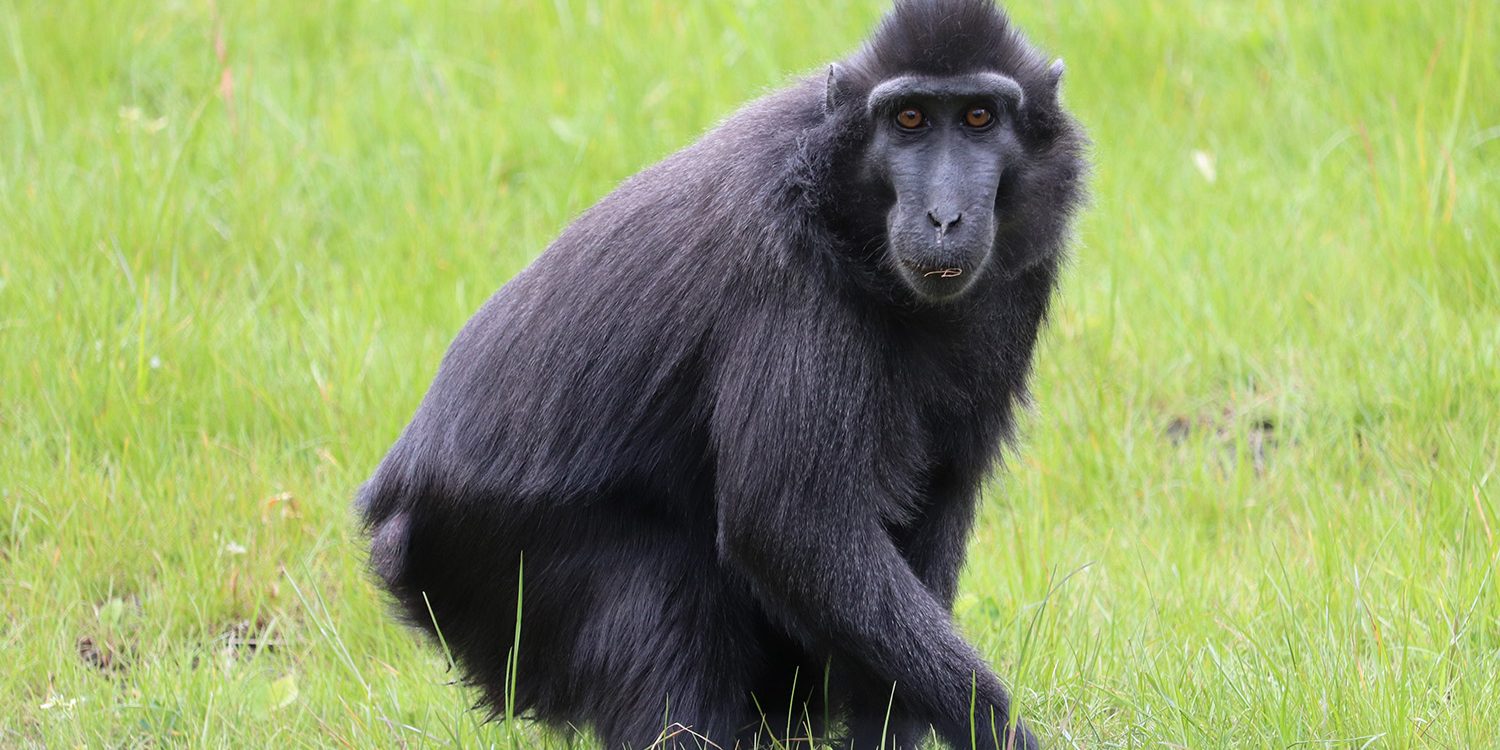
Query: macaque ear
<point>1055,73</point>
<point>832,95</point>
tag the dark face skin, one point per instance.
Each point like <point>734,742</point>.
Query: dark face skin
<point>941,146</point>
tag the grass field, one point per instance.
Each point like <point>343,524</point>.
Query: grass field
<point>1256,505</point>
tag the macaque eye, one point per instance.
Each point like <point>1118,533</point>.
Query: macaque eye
<point>978,117</point>
<point>910,118</point>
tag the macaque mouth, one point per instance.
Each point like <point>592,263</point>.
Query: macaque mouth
<point>942,272</point>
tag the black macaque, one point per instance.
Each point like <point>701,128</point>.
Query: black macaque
<point>728,432</point>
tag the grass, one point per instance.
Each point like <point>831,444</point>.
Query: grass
<point>1256,504</point>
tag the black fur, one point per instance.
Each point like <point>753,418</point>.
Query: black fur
<point>736,457</point>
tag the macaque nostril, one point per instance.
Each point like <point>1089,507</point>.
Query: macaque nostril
<point>944,222</point>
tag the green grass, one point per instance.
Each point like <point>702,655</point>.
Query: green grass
<point>1257,503</point>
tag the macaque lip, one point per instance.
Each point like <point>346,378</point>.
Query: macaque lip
<point>926,271</point>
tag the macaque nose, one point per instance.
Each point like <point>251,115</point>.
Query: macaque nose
<point>944,220</point>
